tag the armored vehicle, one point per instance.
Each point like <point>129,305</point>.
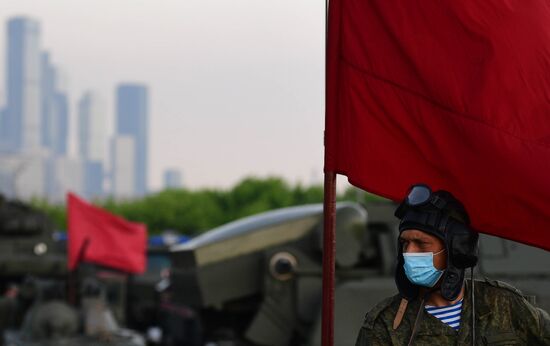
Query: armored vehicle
<point>34,280</point>
<point>50,320</point>
<point>257,281</point>
<point>27,245</point>
<point>144,289</point>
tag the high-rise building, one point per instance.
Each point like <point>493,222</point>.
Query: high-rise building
<point>92,127</point>
<point>132,120</point>
<point>34,124</point>
<point>94,177</point>
<point>64,174</point>
<point>172,179</point>
<point>48,82</point>
<point>54,110</point>
<point>23,116</point>
<point>60,124</point>
<point>92,136</point>
<point>123,156</point>
<point>4,131</point>
<point>23,176</point>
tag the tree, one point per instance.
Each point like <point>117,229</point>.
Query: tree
<point>194,211</point>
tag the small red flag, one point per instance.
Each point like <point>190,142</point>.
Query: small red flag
<point>454,94</point>
<point>103,238</point>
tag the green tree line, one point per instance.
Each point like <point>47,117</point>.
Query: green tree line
<point>194,211</point>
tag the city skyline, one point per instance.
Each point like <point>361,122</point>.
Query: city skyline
<point>35,123</point>
<point>220,109</point>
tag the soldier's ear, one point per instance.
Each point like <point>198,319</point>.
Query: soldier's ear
<point>451,284</point>
<point>463,246</point>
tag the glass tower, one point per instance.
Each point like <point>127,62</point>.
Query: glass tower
<point>132,115</point>
<point>23,116</point>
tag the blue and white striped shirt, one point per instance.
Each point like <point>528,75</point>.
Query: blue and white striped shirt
<point>449,314</point>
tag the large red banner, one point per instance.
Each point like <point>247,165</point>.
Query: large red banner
<point>454,94</point>
<point>100,237</point>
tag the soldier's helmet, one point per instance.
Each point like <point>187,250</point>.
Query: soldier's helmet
<point>442,215</point>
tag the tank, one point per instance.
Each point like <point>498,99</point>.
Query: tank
<point>50,320</point>
<point>258,280</point>
<point>34,301</point>
<point>27,245</point>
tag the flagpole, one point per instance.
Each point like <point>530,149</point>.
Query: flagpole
<point>329,253</point>
<point>329,228</point>
<point>73,274</point>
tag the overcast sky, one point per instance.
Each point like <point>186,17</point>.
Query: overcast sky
<point>236,87</point>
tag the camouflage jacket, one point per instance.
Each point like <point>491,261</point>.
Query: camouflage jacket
<point>503,317</point>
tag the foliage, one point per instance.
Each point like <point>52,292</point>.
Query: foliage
<point>57,213</point>
<point>360,196</point>
<point>194,211</point>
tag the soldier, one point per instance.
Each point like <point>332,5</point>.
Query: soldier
<point>435,304</point>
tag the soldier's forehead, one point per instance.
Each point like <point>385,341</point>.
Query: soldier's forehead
<point>416,234</point>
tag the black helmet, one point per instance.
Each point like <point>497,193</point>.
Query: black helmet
<point>442,215</point>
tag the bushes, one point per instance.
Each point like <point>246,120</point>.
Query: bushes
<point>194,211</point>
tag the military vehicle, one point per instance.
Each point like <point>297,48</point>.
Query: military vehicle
<point>257,281</point>
<point>34,280</point>
<point>136,299</point>
<point>143,290</point>
<point>27,245</point>
<point>50,320</point>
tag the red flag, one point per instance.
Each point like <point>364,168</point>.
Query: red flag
<point>109,240</point>
<point>455,94</point>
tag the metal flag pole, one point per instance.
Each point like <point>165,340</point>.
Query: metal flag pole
<point>329,253</point>
<point>329,233</point>
<point>73,274</point>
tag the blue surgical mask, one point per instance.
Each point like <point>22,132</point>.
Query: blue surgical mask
<point>419,268</point>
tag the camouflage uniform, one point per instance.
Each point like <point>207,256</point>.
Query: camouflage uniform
<point>503,317</point>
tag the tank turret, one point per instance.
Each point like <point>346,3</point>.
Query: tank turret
<point>26,242</point>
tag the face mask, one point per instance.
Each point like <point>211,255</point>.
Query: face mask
<point>419,268</point>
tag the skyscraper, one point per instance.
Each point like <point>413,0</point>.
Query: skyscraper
<point>23,116</point>
<point>24,176</point>
<point>34,123</point>
<point>54,109</point>
<point>92,135</point>
<point>123,156</point>
<point>132,120</point>
<point>4,130</point>
<point>63,174</point>
<point>59,123</point>
<point>172,179</point>
<point>92,127</point>
<point>48,81</point>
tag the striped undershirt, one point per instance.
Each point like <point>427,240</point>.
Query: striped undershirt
<point>449,314</point>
